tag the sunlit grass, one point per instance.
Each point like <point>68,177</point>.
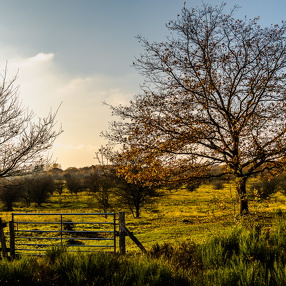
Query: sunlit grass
<point>178,216</point>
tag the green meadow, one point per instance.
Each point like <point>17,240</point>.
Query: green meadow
<point>178,216</point>
<point>192,238</point>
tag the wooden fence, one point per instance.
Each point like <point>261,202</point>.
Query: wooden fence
<point>34,233</point>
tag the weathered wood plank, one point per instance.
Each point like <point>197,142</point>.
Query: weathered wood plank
<point>134,238</point>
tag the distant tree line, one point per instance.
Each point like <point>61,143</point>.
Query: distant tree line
<point>28,189</point>
<point>108,190</point>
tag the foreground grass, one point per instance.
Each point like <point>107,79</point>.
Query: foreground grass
<point>93,269</point>
<point>242,256</point>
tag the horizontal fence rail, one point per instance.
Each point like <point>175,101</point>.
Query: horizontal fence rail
<point>34,233</point>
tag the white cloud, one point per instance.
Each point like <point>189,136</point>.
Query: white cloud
<point>42,57</point>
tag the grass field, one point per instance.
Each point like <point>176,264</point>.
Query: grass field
<point>192,238</point>
<point>179,216</point>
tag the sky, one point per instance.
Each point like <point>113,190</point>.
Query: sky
<point>77,54</point>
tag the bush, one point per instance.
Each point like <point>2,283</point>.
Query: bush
<point>242,256</point>
<point>38,188</point>
<point>184,256</point>
<point>54,253</point>
<point>192,187</point>
<point>10,193</point>
<point>262,190</point>
<point>217,184</point>
<point>19,272</point>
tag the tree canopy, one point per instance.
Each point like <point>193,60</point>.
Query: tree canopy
<point>214,94</point>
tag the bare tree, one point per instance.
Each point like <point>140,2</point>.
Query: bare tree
<point>73,183</point>
<point>38,188</point>
<point>215,94</point>
<point>59,186</point>
<point>23,139</point>
<point>101,183</point>
<point>135,196</point>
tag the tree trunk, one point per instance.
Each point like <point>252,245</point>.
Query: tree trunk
<point>241,191</point>
<point>137,211</point>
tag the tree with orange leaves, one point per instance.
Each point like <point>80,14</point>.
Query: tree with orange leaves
<point>214,95</point>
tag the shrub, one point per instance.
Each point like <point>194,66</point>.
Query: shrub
<point>19,272</point>
<point>10,193</point>
<point>54,253</point>
<point>68,225</point>
<point>184,256</point>
<point>38,188</point>
<point>262,190</point>
<point>218,184</point>
<point>192,187</point>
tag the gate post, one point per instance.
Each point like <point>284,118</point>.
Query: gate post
<point>2,239</point>
<point>121,224</point>
<point>12,239</point>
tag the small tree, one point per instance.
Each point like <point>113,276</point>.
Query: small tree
<point>91,182</point>
<point>135,196</point>
<point>73,183</point>
<point>103,178</point>
<point>59,186</point>
<point>214,95</point>
<point>10,193</point>
<point>38,188</point>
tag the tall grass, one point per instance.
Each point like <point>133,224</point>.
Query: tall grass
<point>110,269</point>
<point>61,268</point>
<point>18,272</point>
<point>242,256</point>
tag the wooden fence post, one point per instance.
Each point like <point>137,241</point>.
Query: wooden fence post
<point>133,237</point>
<point>121,224</point>
<point>12,238</point>
<point>2,239</point>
